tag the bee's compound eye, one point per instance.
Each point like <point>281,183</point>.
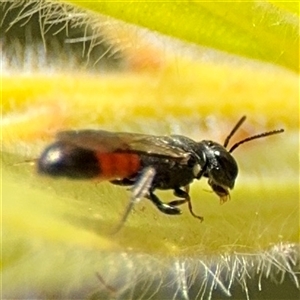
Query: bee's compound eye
<point>226,169</point>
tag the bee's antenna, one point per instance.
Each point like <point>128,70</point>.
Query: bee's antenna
<point>261,135</point>
<point>233,131</point>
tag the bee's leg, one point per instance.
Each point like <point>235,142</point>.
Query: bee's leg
<point>123,182</point>
<point>139,190</point>
<point>184,194</point>
<point>163,207</point>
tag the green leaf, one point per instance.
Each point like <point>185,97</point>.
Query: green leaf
<point>56,241</point>
<point>263,30</point>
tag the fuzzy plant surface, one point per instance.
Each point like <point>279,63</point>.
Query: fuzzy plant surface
<point>190,68</point>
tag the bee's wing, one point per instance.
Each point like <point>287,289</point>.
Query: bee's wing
<point>97,140</point>
<point>105,141</point>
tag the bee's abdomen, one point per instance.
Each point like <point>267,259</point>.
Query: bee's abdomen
<point>68,160</point>
<point>118,165</point>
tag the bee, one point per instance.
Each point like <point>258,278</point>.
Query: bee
<point>146,163</point>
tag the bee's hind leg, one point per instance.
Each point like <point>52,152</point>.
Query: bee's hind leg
<point>139,190</point>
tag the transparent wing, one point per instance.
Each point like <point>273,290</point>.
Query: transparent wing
<point>105,141</point>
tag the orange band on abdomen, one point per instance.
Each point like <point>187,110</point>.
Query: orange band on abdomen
<point>118,165</point>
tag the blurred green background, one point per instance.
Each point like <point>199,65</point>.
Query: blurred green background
<point>63,67</point>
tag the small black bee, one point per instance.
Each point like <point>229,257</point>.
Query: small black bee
<point>146,163</point>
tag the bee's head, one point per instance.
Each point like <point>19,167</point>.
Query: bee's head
<point>219,166</point>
